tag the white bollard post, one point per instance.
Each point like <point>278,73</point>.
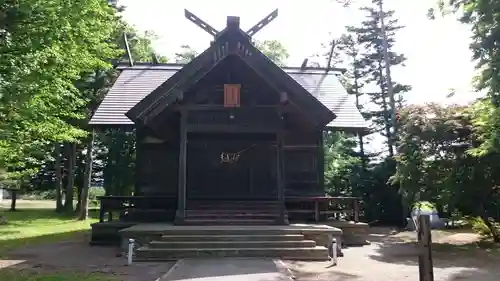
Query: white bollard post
<point>334,251</point>
<point>131,243</point>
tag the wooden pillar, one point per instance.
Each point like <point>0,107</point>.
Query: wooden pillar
<point>425,266</point>
<point>356,210</point>
<point>280,184</point>
<point>321,162</point>
<point>180,215</point>
<point>280,172</point>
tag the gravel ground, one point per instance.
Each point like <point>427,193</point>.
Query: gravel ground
<point>389,258</point>
<point>78,256</point>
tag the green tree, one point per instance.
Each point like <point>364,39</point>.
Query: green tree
<point>186,54</point>
<point>46,46</point>
<point>484,18</point>
<point>433,163</point>
<point>371,68</point>
<point>274,50</point>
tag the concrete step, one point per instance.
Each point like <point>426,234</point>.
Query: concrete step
<point>229,221</point>
<point>230,244</point>
<point>231,207</point>
<point>235,202</point>
<point>231,230</point>
<point>269,237</point>
<point>146,253</point>
<point>233,211</point>
<point>231,216</point>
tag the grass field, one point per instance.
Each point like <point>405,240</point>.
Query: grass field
<point>36,223</point>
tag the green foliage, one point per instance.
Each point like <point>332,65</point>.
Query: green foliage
<point>438,161</point>
<point>424,205</point>
<point>484,18</point>
<point>274,50</point>
<point>186,55</point>
<point>480,227</point>
<point>341,163</point>
<point>362,50</point>
<point>46,46</point>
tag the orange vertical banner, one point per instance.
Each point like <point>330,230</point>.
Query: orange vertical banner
<point>232,95</point>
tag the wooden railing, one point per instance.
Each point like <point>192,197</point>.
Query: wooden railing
<point>325,207</point>
<point>120,204</point>
<point>318,208</point>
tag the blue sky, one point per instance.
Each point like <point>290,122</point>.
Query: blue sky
<point>437,51</point>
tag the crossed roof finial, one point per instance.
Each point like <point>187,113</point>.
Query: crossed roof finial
<point>214,32</point>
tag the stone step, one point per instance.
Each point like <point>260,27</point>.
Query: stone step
<point>230,244</point>
<point>234,211</point>
<point>146,253</point>
<point>229,201</point>
<point>230,216</point>
<point>231,230</point>
<point>241,237</point>
<point>231,207</point>
<point>229,221</point>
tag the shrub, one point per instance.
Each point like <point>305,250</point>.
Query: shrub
<point>479,226</point>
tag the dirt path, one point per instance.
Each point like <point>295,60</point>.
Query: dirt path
<point>389,257</point>
<point>392,258</point>
<point>78,256</point>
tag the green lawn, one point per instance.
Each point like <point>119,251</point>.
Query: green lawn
<point>31,226</point>
<point>16,275</point>
<point>35,226</point>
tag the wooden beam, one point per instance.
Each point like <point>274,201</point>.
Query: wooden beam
<point>127,49</point>
<point>199,22</point>
<point>304,64</point>
<point>202,128</point>
<point>330,57</point>
<point>265,21</point>
<point>201,107</point>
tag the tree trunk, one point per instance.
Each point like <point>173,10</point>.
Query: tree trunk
<point>68,203</point>
<point>59,201</point>
<point>13,196</point>
<point>84,203</point>
<point>385,107</point>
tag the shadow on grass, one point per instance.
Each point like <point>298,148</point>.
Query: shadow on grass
<point>32,214</point>
<point>9,245</point>
<point>28,227</point>
<point>32,275</point>
<point>42,245</point>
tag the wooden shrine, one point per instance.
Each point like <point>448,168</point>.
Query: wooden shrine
<point>229,130</point>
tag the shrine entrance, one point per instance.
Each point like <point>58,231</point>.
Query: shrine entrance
<point>231,166</point>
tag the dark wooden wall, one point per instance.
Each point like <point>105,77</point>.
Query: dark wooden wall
<point>304,163</point>
<point>213,129</point>
<point>157,165</point>
<point>254,176</point>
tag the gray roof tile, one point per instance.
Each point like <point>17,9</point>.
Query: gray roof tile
<point>134,83</point>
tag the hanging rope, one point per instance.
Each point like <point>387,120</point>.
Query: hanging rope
<point>231,158</point>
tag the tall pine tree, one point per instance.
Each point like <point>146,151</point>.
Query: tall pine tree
<point>372,68</point>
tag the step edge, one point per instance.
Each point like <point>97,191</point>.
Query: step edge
<point>315,249</point>
<point>233,242</point>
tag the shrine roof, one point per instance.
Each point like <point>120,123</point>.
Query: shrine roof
<point>136,82</point>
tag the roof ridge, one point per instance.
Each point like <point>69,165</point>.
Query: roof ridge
<point>177,66</point>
